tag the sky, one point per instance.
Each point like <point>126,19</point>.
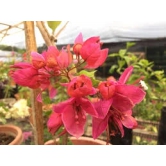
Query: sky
<point>133,18</point>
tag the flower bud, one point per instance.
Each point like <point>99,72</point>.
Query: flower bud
<point>76,48</point>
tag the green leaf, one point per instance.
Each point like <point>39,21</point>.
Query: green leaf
<point>122,52</point>
<point>154,129</point>
<point>121,63</point>
<point>53,24</point>
<point>113,55</point>
<point>95,82</point>
<point>138,139</point>
<point>112,69</point>
<point>88,73</point>
<point>130,44</point>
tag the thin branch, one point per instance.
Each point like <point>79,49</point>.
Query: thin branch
<point>12,26</point>
<point>57,34</point>
<point>44,32</point>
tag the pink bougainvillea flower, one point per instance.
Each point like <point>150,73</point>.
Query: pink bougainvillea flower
<point>51,56</point>
<point>73,113</point>
<point>44,79</point>
<point>54,122</point>
<point>122,98</point>
<point>125,75</point>
<point>78,44</point>
<point>136,94</point>
<point>117,119</point>
<point>120,104</point>
<point>107,89</point>
<point>25,75</point>
<point>27,135</point>
<point>80,86</point>
<point>111,88</point>
<point>65,58</point>
<point>121,119</point>
<point>38,60</point>
<point>92,53</point>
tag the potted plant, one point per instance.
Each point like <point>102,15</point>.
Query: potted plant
<point>11,134</point>
<point>67,76</point>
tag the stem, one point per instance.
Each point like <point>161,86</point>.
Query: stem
<point>66,74</point>
<point>36,114</point>
<point>77,66</point>
<point>65,139</point>
<point>108,135</point>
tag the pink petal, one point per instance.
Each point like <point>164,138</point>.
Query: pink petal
<point>79,39</point>
<point>125,75</point>
<point>26,77</point>
<point>53,50</point>
<point>74,126</point>
<point>63,59</point>
<point>26,135</point>
<point>122,103</point>
<point>21,65</point>
<point>52,92</point>
<point>87,106</point>
<point>101,59</point>
<point>90,52</point>
<point>128,112</point>
<point>39,97</point>
<point>36,56</point>
<point>132,92</point>
<point>99,126</point>
<point>54,122</point>
<point>102,107</point>
<point>59,108</point>
<point>129,122</point>
<point>91,40</point>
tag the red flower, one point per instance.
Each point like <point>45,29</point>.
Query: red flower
<point>80,86</point>
<point>78,44</point>
<point>25,75</point>
<point>92,53</point>
<point>65,58</point>
<point>117,100</point>
<point>54,122</point>
<point>38,60</point>
<point>73,112</point>
<point>51,56</point>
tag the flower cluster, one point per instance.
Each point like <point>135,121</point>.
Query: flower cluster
<point>18,110</point>
<point>72,68</point>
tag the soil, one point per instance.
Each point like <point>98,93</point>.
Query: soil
<point>5,139</point>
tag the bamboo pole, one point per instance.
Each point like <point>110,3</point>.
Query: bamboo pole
<point>49,40</point>
<point>36,113</point>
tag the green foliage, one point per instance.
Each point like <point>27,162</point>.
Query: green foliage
<point>150,107</point>
<point>88,73</point>
<point>137,140</point>
<point>10,48</point>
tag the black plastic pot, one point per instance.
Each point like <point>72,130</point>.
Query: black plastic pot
<point>126,140</point>
<point>162,128</point>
